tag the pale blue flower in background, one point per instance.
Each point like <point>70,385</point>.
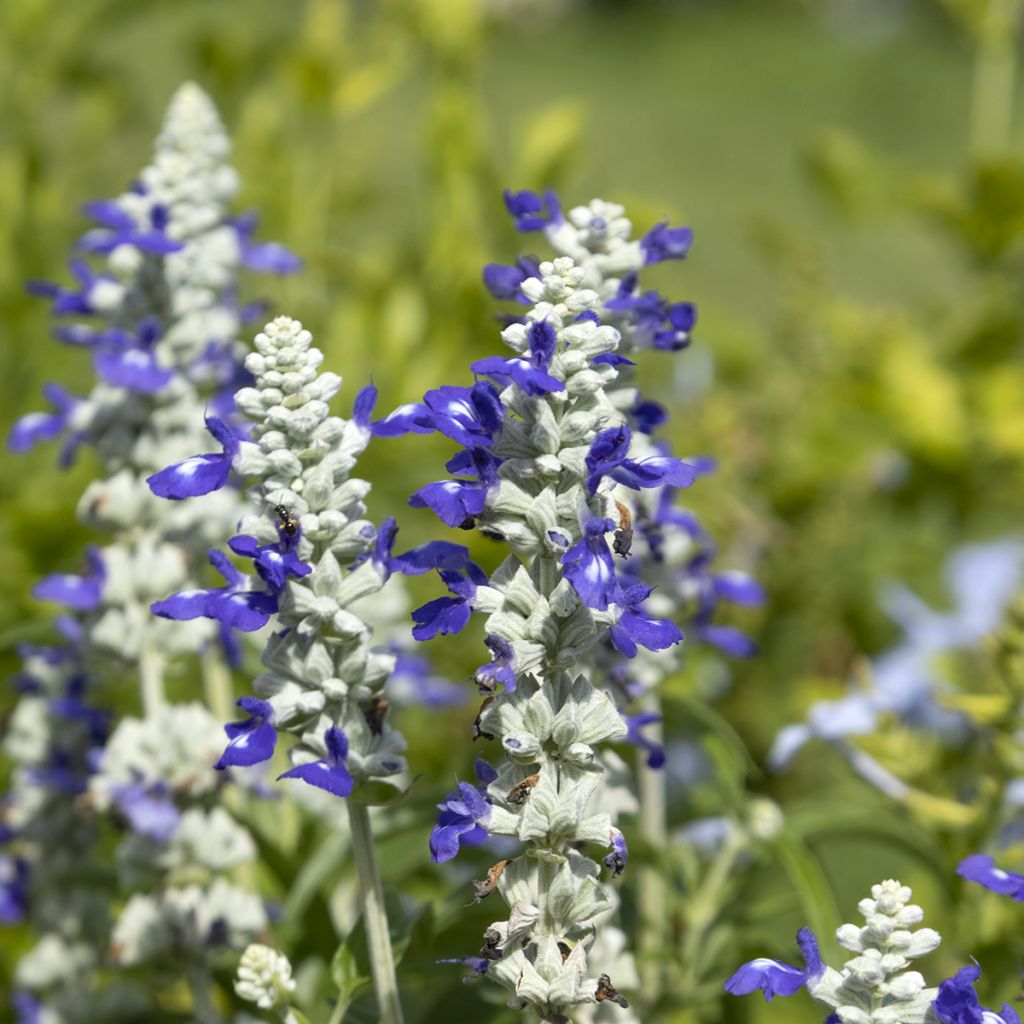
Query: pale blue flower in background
<point>982,578</point>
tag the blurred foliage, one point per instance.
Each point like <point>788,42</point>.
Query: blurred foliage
<point>858,373</point>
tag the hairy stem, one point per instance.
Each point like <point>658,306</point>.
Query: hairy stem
<point>217,686</point>
<point>652,897</point>
<point>198,977</point>
<point>382,960</point>
<point>151,678</point>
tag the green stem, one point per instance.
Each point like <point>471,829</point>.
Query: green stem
<point>706,906</point>
<point>217,685</point>
<point>151,678</point>
<point>652,897</point>
<point>198,977</point>
<point>382,959</point>
<point>995,73</point>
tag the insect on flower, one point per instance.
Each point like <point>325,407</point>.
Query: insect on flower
<point>519,792</point>
<point>622,543</point>
<point>286,522</point>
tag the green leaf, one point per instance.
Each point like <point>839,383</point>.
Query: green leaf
<point>808,879</point>
<point>346,972</point>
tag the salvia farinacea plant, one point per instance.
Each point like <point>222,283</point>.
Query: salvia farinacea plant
<point>549,457</point>
<point>156,306</point>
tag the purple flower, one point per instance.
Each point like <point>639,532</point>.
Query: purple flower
<point>149,810</point>
<point>982,869</point>
<point>648,415</point>
<point>251,741</point>
<point>775,978</point>
<point>233,605</point>
<point>27,1009</point>
<point>449,614</point>
<point>589,566</point>
<point>66,301</point>
<point>329,773</point>
<point>435,554</point>
<point>469,416</point>
<point>362,409</point>
<point>502,669</point>
<point>413,417</point>
<point>14,881</point>
<point>504,282</point>
<point>263,257</point>
<point>634,627</point>
<point>957,1002</point>
<point>414,681</point>
<point>199,474</point>
<point>129,362</point>
<point>655,320</point>
<point>616,861</point>
<point>34,427</point>
<point>464,816</point>
<point>531,212</point>
<point>274,562</point>
<point>665,243</point>
<point>634,723</point>
<point>735,587</point>
<point>118,227</point>
<point>459,502</point>
<point>530,375</point>
<point>609,456</point>
<point>477,964</point>
<point>83,593</point>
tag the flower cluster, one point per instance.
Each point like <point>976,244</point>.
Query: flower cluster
<point>315,558</point>
<point>542,449</point>
<point>155,304</point>
<point>874,986</point>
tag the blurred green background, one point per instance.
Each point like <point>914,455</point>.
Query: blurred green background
<point>851,171</point>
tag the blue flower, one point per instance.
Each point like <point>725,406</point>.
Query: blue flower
<point>83,593</point>
<point>149,810</point>
<point>329,773</point>
<point>411,418</point>
<point>957,1002</point>
<point>459,502</point>
<point>118,227</point>
<point>982,869</point>
<point>449,614</point>
<point>609,456</point>
<point>665,243</point>
<point>530,375</point>
<point>199,474</point>
<point>251,741</point>
<point>464,816</point>
<point>655,320</point>
<point>774,978</point>
<point>435,554</point>
<point>129,362</point>
<point>233,605</point>
<point>414,681</point>
<point>274,562</point>
<point>616,861</point>
<point>634,723</point>
<point>531,212</point>
<point>502,669</point>
<point>469,416</point>
<point>264,257</point>
<point>14,882</point>
<point>65,301</point>
<point>589,566</point>
<point>477,964</point>
<point>634,627</point>
<point>34,427</point>
<point>504,282</point>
